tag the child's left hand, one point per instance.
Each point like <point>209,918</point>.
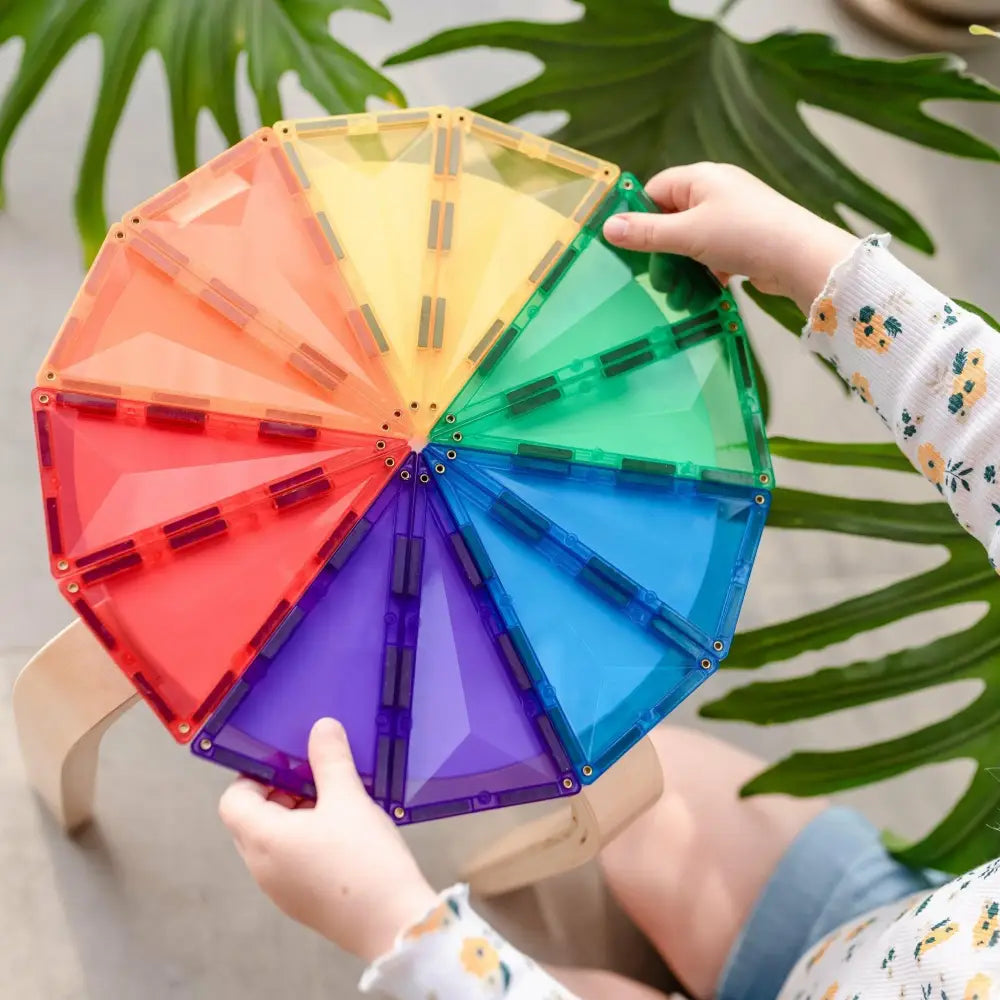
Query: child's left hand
<point>341,866</point>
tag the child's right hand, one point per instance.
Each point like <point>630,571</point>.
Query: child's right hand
<point>341,867</point>
<point>733,223</point>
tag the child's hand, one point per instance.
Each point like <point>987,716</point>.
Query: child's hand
<point>340,867</point>
<point>735,224</point>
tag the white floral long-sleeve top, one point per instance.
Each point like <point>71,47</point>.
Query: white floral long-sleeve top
<point>924,364</point>
<point>931,370</point>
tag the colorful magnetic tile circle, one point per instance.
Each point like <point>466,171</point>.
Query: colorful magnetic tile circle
<point>364,418</point>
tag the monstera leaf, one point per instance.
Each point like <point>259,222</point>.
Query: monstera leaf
<point>646,87</point>
<point>200,41</point>
<point>966,837</point>
<point>787,314</point>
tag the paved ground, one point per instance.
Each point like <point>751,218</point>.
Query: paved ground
<point>152,902</point>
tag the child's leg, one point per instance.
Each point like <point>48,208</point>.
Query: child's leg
<point>689,871</point>
<point>593,984</point>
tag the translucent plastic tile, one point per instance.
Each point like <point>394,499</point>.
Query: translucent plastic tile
<point>621,359</point>
<point>513,203</point>
<point>398,642</point>
<point>592,291</point>
<point>144,329</point>
<point>371,179</point>
<point>688,544</point>
<point>607,666</point>
<point>477,738</point>
<point>117,473</point>
<point>328,659</point>
<point>243,225</point>
<point>183,625</point>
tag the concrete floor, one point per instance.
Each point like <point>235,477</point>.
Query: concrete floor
<point>152,902</point>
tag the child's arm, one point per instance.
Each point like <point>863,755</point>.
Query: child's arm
<point>453,953</point>
<point>343,869</point>
<point>922,362</point>
<point>904,347</point>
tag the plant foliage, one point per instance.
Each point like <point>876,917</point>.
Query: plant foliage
<point>200,42</point>
<point>647,87</point>
<point>964,838</point>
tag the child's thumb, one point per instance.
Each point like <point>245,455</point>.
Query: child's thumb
<point>330,757</point>
<point>650,232</point>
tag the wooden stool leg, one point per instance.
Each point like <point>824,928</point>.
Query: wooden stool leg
<point>64,699</point>
<point>576,833</point>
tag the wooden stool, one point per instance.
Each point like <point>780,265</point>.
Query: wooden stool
<point>70,692</point>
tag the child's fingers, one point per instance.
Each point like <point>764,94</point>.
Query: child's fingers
<point>244,806</point>
<point>650,232</point>
<point>671,188</point>
<point>281,798</point>
<point>334,773</point>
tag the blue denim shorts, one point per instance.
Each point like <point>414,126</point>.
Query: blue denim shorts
<point>834,871</point>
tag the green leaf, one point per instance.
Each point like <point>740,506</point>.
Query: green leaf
<point>200,43</point>
<point>968,834</point>
<point>823,773</point>
<point>944,586</point>
<point>763,389</point>
<point>963,838</point>
<point>648,88</point>
<point>875,456</point>
<point>979,311</point>
<point>893,842</point>
<point>919,523</point>
<point>787,314</point>
<point>833,689</point>
<point>779,308</point>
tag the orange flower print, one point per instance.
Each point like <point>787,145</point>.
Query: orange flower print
<point>977,988</point>
<point>852,934</point>
<point>931,463</point>
<point>874,332</point>
<point>439,918</point>
<point>986,933</point>
<point>831,991</point>
<point>938,934</point>
<point>482,960</point>
<point>823,317</point>
<point>969,383</point>
<point>820,951</point>
<point>860,385</point>
<point>479,957</point>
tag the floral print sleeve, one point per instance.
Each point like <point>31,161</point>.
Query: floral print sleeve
<point>929,368</point>
<point>452,954</point>
<point>943,945</point>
